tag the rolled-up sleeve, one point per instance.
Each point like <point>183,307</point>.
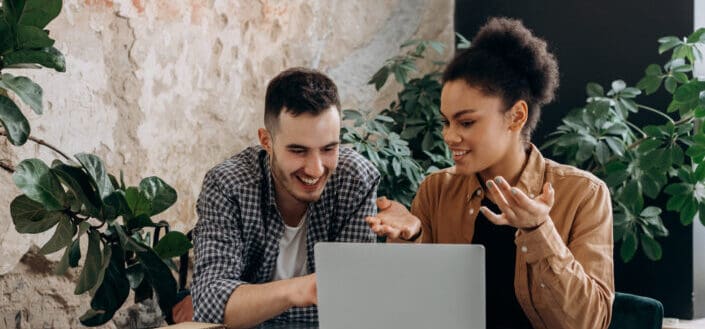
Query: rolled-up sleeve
<point>218,252</point>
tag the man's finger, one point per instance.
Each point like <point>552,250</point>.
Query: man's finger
<point>371,220</point>
<point>391,232</point>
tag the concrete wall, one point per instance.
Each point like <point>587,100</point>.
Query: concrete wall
<point>170,88</point>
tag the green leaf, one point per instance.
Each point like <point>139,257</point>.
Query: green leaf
<point>32,37</point>
<point>650,212</point>
<point>94,167</point>
<point>39,13</point>
<point>28,91</point>
<point>30,216</point>
<point>80,183</point>
<point>696,36</point>
<point>649,84</point>
<point>91,266</point>
<point>678,188</point>
<point>160,195</point>
<point>49,57</point>
<point>127,242</point>
<point>654,70</point>
<point>618,85</point>
<point>380,78</point>
<point>33,178</point>
<point>135,275</point>
<point>14,122</point>
<point>114,288</point>
<point>687,212</point>
<point>137,202</point>
<point>668,43</point>
<point>63,264</point>
<point>652,248</point>
<point>62,236</point>
<point>701,210</point>
<point>629,245</point>
<point>74,253</point>
<point>94,317</point>
<point>173,244</point>
<point>160,277</point>
<point>676,202</point>
<point>594,90</point>
<point>671,85</point>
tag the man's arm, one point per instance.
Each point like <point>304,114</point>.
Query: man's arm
<point>252,304</point>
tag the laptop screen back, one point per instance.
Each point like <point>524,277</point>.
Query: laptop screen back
<point>400,286</point>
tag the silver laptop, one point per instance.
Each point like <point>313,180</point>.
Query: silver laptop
<point>400,286</point>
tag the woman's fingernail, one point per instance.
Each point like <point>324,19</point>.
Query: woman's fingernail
<point>514,190</point>
<point>489,184</point>
<point>498,180</point>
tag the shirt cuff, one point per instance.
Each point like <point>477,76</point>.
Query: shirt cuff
<point>542,242</point>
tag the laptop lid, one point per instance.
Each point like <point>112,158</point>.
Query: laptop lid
<point>409,286</point>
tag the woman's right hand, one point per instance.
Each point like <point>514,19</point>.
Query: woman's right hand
<point>394,221</point>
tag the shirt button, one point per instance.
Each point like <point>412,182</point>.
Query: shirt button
<point>524,249</point>
<point>471,211</point>
<point>478,192</point>
<point>543,285</point>
<point>531,196</point>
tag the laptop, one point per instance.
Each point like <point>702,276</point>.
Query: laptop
<point>408,286</point>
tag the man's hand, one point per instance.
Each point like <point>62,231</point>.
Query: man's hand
<point>303,291</point>
<point>394,221</point>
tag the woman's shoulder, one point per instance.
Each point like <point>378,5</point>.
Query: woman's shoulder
<point>571,175</point>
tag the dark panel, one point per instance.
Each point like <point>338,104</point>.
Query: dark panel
<point>601,41</point>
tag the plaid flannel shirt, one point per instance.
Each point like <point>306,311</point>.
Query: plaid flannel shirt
<point>236,239</point>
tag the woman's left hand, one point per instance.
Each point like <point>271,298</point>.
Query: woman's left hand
<point>518,210</point>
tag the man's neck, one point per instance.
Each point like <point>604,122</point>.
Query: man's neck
<point>292,210</point>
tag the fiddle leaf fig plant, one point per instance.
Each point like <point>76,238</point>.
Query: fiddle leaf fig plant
<point>77,197</point>
<point>641,164</point>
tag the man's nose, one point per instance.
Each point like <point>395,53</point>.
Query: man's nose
<point>314,166</point>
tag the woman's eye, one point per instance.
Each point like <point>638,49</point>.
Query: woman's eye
<point>467,124</point>
<point>445,123</point>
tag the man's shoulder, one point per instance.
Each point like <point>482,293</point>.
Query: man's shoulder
<point>241,169</point>
<point>353,165</point>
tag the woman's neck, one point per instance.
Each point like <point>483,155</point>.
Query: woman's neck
<point>509,167</point>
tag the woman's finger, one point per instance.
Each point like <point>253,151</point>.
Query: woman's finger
<point>492,217</point>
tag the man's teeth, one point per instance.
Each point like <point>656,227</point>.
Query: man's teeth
<point>459,153</point>
<point>309,181</point>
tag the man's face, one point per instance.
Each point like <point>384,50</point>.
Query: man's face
<point>303,153</point>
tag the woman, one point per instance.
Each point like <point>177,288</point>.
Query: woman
<point>546,227</point>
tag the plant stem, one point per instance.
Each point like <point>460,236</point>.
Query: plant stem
<point>42,143</point>
<point>7,167</point>
<point>651,109</point>
<point>633,126</point>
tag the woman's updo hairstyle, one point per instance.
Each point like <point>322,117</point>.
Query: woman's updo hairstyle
<point>506,60</point>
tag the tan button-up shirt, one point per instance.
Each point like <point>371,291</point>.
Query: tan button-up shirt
<point>564,275</point>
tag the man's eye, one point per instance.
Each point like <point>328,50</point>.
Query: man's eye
<point>297,151</point>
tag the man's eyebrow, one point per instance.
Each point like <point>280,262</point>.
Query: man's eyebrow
<point>298,146</point>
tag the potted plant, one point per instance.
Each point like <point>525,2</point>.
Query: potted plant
<point>76,195</point>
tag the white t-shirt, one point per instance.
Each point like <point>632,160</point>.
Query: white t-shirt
<point>292,260</point>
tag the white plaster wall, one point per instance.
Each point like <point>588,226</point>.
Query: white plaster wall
<point>171,88</point>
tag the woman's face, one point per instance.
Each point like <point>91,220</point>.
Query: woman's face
<point>476,127</point>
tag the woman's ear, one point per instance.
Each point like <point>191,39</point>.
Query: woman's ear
<point>518,115</point>
<point>265,139</point>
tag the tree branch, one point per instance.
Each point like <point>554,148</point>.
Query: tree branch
<point>42,143</point>
<point>7,167</point>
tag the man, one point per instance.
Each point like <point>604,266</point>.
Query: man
<point>261,211</point>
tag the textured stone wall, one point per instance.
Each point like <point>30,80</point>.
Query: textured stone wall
<point>171,88</point>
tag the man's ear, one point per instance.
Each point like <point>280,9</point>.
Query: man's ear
<point>265,139</point>
<point>518,115</point>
